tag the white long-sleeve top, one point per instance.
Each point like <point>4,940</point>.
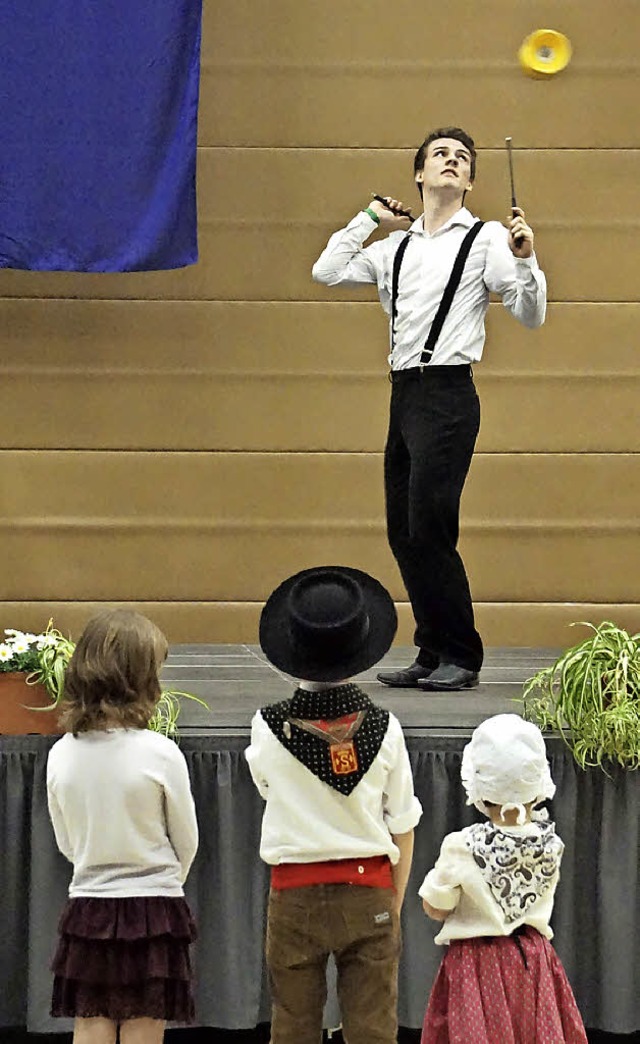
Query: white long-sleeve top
<point>425,271</point>
<point>122,811</point>
<point>523,875</point>
<point>307,821</point>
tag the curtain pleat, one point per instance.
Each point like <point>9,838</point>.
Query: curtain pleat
<point>596,917</point>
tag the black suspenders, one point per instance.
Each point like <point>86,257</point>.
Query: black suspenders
<point>447,297</point>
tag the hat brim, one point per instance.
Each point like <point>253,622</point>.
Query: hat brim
<point>278,646</point>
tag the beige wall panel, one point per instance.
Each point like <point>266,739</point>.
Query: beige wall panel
<point>181,411</point>
<point>510,623</point>
<point>260,246</point>
<point>230,526</point>
<point>109,562</point>
<point>240,31</point>
<point>183,492</point>
<point>529,624</point>
<point>350,74</point>
<point>229,338</point>
<point>363,106</point>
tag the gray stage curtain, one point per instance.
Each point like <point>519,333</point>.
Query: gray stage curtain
<point>596,918</point>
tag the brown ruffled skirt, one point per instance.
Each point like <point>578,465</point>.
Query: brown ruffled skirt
<point>124,959</point>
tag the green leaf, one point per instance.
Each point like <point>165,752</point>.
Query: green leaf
<point>591,697</point>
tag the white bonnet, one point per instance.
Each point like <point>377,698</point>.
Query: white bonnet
<point>505,762</point>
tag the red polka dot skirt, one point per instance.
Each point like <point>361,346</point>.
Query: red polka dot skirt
<point>511,990</point>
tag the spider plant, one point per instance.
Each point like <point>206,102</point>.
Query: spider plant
<point>167,712</point>
<point>53,660</point>
<point>591,696</point>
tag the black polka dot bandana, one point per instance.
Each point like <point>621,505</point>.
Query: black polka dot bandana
<point>314,752</point>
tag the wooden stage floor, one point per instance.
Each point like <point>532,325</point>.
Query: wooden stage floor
<point>235,680</point>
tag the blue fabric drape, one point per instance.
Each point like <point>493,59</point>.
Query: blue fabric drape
<point>98,118</point>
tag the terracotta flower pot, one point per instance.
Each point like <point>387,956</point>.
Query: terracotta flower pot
<point>16,699</point>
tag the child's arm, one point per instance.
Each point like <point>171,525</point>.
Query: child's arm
<point>440,891</point>
<point>55,812</point>
<point>401,809</point>
<point>182,825</point>
<point>433,912</point>
<point>400,872</point>
<point>58,824</point>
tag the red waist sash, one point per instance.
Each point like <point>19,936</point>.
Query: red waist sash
<point>374,872</point>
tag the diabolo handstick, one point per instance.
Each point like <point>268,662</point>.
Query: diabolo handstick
<point>518,240</point>
<point>398,213</point>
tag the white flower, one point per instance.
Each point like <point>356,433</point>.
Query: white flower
<point>20,645</point>
<point>31,637</point>
<point>11,631</point>
<point>47,639</point>
<point>6,653</point>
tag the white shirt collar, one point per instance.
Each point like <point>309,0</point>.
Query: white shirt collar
<point>461,217</point>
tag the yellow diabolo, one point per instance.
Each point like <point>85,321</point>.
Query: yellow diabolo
<point>544,53</point>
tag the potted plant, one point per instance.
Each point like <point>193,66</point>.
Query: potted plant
<point>591,696</point>
<point>32,668</point>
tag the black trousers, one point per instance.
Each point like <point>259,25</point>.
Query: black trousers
<point>433,426</point>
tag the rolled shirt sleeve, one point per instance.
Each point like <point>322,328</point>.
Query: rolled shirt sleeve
<point>343,261</point>
<point>401,808</point>
<point>520,282</point>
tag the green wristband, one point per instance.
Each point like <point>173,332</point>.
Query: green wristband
<point>372,214</point>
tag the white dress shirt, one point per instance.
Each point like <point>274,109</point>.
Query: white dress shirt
<point>307,821</point>
<point>425,271</point>
<point>122,812</point>
<point>456,883</point>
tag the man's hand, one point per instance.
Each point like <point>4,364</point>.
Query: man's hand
<point>388,220</point>
<point>519,230</point>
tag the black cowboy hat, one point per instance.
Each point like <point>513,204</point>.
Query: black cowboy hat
<point>327,624</point>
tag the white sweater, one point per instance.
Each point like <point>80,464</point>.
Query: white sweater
<point>122,812</point>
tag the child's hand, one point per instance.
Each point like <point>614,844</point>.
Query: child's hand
<point>433,912</point>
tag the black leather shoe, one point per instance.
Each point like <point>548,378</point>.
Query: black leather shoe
<point>449,678</point>
<point>406,677</point>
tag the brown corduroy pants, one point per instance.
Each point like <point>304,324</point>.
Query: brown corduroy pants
<point>360,927</point>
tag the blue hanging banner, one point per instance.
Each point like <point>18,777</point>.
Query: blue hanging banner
<point>98,127</point>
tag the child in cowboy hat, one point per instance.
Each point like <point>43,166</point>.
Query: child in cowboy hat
<point>340,808</point>
<point>493,886</point>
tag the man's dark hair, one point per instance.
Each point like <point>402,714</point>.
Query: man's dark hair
<point>445,132</point>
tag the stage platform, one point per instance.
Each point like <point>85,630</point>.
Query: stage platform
<point>234,680</point>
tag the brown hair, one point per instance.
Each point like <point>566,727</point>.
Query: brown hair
<point>458,134</point>
<point>112,678</point>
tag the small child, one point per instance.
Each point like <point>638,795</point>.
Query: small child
<point>123,814</point>
<point>501,981</point>
<point>340,809</point>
